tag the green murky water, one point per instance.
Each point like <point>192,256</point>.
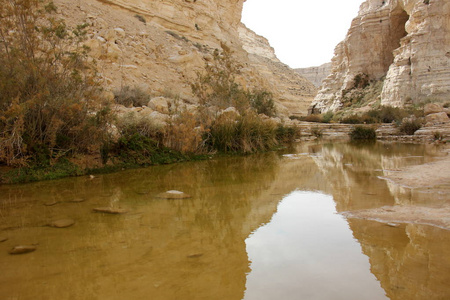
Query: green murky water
<point>259,227</point>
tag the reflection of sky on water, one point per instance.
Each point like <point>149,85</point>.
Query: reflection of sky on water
<point>307,251</point>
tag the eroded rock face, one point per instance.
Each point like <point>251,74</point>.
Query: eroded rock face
<point>293,92</point>
<point>315,74</point>
<point>408,41</point>
<point>160,46</point>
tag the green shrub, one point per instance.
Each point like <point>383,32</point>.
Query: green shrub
<point>262,102</point>
<point>387,114</point>
<point>363,133</point>
<point>353,119</point>
<point>141,18</point>
<point>247,134</point>
<point>327,117</point>
<point>409,127</point>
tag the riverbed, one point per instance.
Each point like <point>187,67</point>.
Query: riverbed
<point>275,225</point>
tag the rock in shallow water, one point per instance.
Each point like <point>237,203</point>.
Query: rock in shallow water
<point>173,195</point>
<point>22,249</point>
<point>3,239</point>
<point>110,210</point>
<point>63,223</point>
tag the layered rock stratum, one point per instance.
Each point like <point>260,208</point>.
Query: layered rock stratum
<point>161,46</point>
<point>406,43</point>
<point>315,74</point>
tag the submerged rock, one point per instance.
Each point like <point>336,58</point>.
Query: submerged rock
<point>173,195</point>
<point>51,203</point>
<point>3,239</point>
<point>110,210</point>
<point>63,223</point>
<point>22,249</point>
<point>77,200</point>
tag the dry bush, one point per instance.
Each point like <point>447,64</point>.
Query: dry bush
<point>48,93</point>
<point>185,133</point>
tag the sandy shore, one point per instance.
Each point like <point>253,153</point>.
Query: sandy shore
<point>433,176</point>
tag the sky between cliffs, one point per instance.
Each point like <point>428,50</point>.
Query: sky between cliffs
<point>303,33</point>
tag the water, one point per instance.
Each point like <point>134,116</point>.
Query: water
<point>265,226</point>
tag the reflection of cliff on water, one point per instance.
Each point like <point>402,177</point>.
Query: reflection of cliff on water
<point>195,248</point>
<point>354,171</point>
<point>161,249</point>
<point>410,261</point>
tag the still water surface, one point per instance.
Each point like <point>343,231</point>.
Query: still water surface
<point>265,226</point>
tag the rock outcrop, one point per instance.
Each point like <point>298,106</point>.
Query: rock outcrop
<point>407,42</point>
<point>293,91</point>
<point>160,46</point>
<point>315,74</point>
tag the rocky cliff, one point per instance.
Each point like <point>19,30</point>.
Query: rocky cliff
<point>160,46</point>
<point>315,74</point>
<point>407,42</point>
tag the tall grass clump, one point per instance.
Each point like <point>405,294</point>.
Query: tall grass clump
<point>244,129</point>
<point>49,97</point>
<point>363,133</point>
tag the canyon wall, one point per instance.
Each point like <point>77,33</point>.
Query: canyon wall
<point>161,46</point>
<point>406,43</point>
<point>315,74</point>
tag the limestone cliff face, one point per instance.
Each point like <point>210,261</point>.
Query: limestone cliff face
<point>406,41</point>
<point>315,74</point>
<point>160,46</point>
<point>293,91</point>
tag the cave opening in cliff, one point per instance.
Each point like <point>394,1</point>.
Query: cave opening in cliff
<point>397,31</point>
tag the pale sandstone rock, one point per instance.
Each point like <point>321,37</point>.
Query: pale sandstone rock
<point>175,42</point>
<point>432,108</point>
<point>315,74</point>
<point>437,118</point>
<point>159,104</point>
<point>407,41</point>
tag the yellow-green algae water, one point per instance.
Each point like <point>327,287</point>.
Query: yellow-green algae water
<point>265,226</point>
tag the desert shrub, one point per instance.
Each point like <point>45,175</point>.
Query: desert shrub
<point>387,114</point>
<point>410,126</point>
<point>184,133</point>
<point>49,103</point>
<point>246,134</point>
<point>287,134</point>
<point>353,119</point>
<point>217,86</point>
<point>262,102</point>
<point>363,133</point>
<point>131,96</point>
<point>130,124</point>
<point>141,18</point>
<point>327,117</point>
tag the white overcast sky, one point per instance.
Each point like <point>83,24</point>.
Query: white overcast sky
<point>303,32</point>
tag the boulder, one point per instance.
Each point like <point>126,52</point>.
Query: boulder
<point>432,108</point>
<point>22,249</point>
<point>173,195</point>
<point>110,210</point>
<point>63,223</point>
<point>437,118</point>
<point>160,104</point>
